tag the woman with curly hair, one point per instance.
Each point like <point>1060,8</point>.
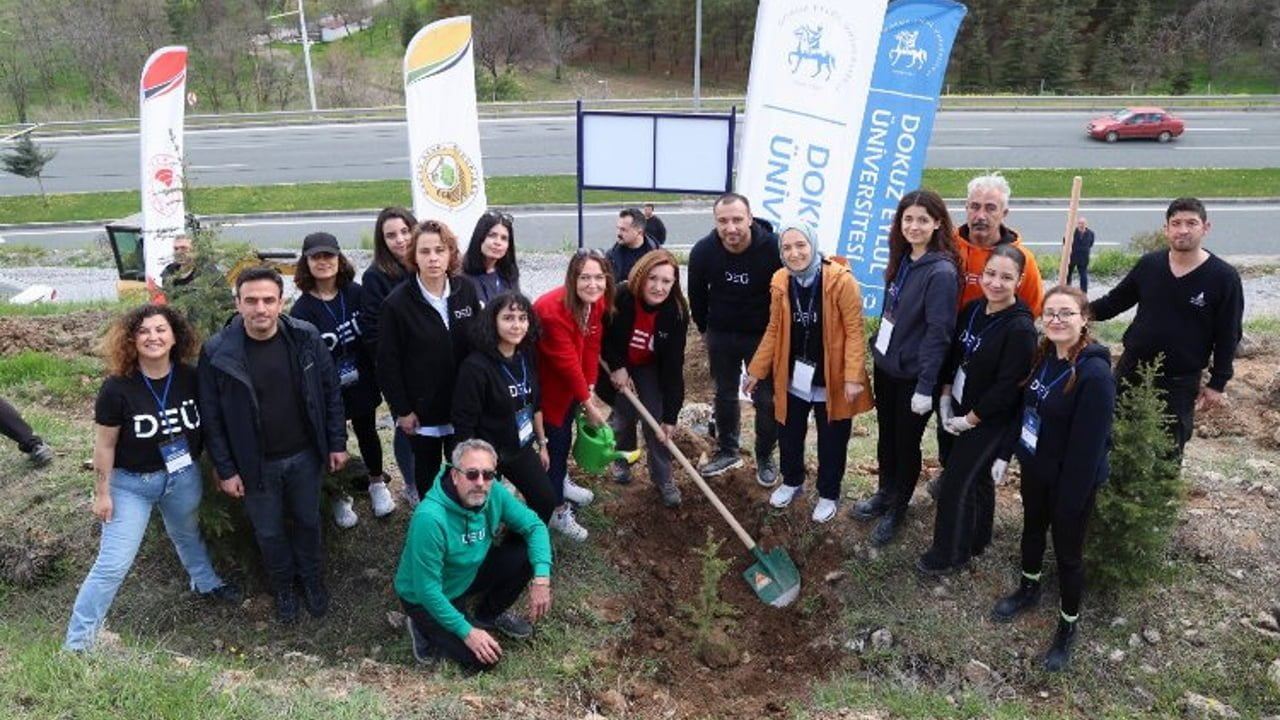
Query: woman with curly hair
<point>497,395</point>
<point>424,335</point>
<point>146,445</point>
<point>490,261</point>
<point>330,300</point>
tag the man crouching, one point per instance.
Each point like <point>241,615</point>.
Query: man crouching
<point>450,558</point>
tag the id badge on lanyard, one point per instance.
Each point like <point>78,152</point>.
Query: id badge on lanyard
<point>348,373</point>
<point>884,335</point>
<point>957,386</point>
<point>176,454</point>
<point>802,379</point>
<point>524,425</point>
<point>1030,429</point>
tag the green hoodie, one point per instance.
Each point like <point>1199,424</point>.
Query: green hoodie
<point>446,544</point>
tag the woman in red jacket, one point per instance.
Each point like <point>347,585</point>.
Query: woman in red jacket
<point>571,317</point>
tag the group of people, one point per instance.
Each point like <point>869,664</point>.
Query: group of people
<point>483,382</point>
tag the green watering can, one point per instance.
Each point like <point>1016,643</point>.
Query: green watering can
<point>596,447</point>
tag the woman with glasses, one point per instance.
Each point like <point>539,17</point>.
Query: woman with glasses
<point>1062,441</point>
<point>919,314</point>
<point>491,257</point>
<point>644,346</point>
<point>331,301</point>
<point>990,355</point>
<point>813,349</point>
<point>146,453</point>
<point>497,395</point>
<point>572,319</point>
<point>391,267</point>
<point>424,335</point>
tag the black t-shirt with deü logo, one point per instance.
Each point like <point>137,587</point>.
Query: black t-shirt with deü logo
<point>126,403</point>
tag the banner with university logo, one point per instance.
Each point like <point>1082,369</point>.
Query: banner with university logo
<point>811,67</point>
<point>161,117</point>
<point>444,132</point>
<point>914,49</point>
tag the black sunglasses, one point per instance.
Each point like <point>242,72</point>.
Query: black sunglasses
<point>474,474</point>
<point>504,217</point>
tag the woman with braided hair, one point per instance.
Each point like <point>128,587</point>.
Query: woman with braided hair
<point>1062,444</point>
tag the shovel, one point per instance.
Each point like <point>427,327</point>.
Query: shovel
<point>773,576</point>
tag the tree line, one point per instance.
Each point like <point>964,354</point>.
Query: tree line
<point>72,58</point>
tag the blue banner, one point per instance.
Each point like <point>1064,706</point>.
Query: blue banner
<point>910,65</point>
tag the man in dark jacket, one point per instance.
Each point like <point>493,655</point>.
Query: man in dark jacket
<point>273,422</point>
<point>653,225</point>
<point>633,242</point>
<point>1081,245</point>
<point>729,274</point>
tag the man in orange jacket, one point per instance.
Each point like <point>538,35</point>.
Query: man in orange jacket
<point>985,210</point>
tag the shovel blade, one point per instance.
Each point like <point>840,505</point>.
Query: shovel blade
<point>773,577</point>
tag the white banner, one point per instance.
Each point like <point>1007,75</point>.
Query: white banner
<point>811,70</point>
<point>444,133</point>
<point>161,115</point>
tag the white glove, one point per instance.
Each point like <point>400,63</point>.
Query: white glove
<point>997,470</point>
<point>957,425</point>
<point>945,410</point>
<point>921,404</point>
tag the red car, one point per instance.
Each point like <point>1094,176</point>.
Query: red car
<point>1136,122</point>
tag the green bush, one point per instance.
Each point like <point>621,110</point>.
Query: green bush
<point>1112,263</point>
<point>1145,242</point>
<point>504,87</point>
<point>1136,510</point>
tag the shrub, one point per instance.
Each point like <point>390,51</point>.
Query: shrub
<point>1145,242</point>
<point>1136,510</point>
<point>1112,263</point>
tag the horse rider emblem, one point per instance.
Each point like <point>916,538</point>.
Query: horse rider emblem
<point>907,48</point>
<point>809,48</point>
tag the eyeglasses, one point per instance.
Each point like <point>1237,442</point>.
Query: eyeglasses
<point>474,474</point>
<point>501,216</point>
<point>589,252</point>
<point>1058,316</point>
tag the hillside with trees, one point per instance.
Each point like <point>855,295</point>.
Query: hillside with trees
<point>63,59</point>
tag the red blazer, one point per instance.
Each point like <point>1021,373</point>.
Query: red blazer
<point>568,360</point>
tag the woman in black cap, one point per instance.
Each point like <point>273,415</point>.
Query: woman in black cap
<point>331,300</point>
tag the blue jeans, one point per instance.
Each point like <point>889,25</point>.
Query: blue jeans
<point>132,497</point>
<point>404,453</point>
<point>288,486</point>
<point>559,444</point>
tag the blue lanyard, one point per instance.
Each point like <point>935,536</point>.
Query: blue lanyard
<point>1044,369</point>
<point>342,304</point>
<point>524,376</point>
<point>969,331</point>
<point>162,400</point>
<point>895,288</point>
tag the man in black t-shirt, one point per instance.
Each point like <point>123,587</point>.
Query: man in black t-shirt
<point>633,243</point>
<point>273,422</point>
<point>1190,308</point>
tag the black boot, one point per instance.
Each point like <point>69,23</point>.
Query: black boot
<point>887,528</point>
<point>872,507</point>
<point>1025,597</point>
<point>1060,652</point>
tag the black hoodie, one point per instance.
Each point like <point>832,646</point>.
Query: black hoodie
<point>1075,426</point>
<point>729,292</point>
<point>998,357</point>
<point>490,390</point>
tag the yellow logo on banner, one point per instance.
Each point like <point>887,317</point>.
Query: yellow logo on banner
<point>436,50</point>
<point>446,175</point>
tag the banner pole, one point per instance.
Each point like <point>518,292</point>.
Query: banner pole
<point>579,144</point>
<point>1068,237</point>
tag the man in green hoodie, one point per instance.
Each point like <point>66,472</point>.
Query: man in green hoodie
<point>450,558</point>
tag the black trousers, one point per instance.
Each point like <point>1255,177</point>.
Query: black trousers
<point>15,428</point>
<point>502,577</point>
<point>429,454</point>
<point>966,496</point>
<point>898,444</point>
<point>364,427</point>
<point>726,352</point>
<point>524,469</point>
<point>1080,263</point>
<point>833,446</point>
<point>289,488</point>
<point>1042,513</point>
<point>1180,393</point>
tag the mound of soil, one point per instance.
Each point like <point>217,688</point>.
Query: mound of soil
<point>72,335</point>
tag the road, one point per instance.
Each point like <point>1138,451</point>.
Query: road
<point>545,146</point>
<point>1237,228</point>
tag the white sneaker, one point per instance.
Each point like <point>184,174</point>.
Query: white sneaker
<point>563,521</point>
<point>410,493</point>
<point>381,498</point>
<point>577,494</point>
<point>784,494</point>
<point>824,510</point>
<point>343,515</point>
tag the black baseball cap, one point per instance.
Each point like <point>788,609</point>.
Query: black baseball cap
<point>320,242</point>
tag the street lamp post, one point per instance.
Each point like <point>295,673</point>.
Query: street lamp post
<point>697,57</point>
<point>306,48</point>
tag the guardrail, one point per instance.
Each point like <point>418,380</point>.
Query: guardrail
<point>554,108</point>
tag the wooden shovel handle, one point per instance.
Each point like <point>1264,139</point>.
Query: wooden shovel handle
<point>684,463</point>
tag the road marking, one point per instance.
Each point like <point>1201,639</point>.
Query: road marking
<point>218,167</point>
<point>1058,244</point>
<point>970,147</point>
<point>1215,148</point>
<point>961,129</point>
<point>71,231</point>
<point>1219,129</point>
